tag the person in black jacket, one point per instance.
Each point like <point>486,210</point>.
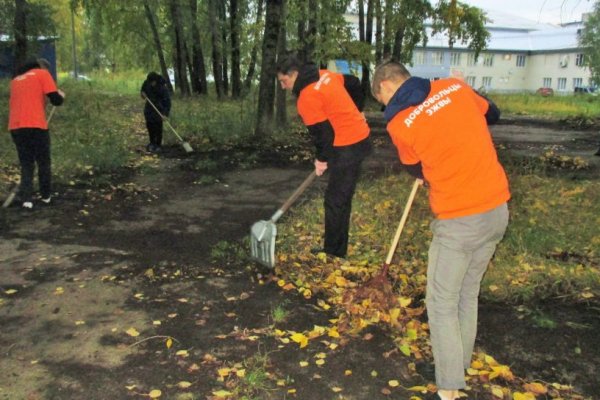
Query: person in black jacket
<point>154,89</point>
<point>330,106</point>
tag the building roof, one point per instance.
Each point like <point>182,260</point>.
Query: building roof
<point>513,33</point>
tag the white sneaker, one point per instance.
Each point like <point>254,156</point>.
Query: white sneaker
<point>28,205</point>
<point>46,200</point>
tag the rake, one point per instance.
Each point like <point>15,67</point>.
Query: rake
<point>263,233</point>
<point>186,146</point>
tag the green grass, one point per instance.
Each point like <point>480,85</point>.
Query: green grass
<point>280,313</point>
<point>100,128</point>
<point>552,106</point>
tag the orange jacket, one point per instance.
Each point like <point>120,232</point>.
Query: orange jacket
<point>327,100</point>
<point>448,134</point>
<point>28,99</point>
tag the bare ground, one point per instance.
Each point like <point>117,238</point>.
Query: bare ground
<point>155,255</point>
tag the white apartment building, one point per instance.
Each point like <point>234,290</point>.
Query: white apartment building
<point>521,55</point>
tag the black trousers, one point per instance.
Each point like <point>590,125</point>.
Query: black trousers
<point>155,131</point>
<point>344,170</point>
<point>33,146</point>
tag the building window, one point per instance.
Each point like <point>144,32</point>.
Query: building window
<point>577,82</point>
<point>437,57</point>
<point>562,84</point>
<point>418,57</point>
<point>579,60</point>
<point>488,60</point>
<point>486,82</point>
<point>471,60</point>
<point>547,82</point>
<point>470,80</point>
<point>454,58</point>
<point>520,60</point>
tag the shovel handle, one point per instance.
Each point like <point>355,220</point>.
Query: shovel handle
<point>288,203</point>
<point>409,202</point>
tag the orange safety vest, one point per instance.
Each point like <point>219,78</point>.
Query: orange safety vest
<point>448,134</point>
<point>327,99</point>
<point>28,99</point>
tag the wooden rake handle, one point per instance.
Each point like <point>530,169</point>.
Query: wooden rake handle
<point>288,203</point>
<point>164,118</point>
<point>407,207</point>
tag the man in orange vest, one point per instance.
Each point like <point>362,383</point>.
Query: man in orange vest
<point>29,128</point>
<point>440,131</point>
<point>330,106</point>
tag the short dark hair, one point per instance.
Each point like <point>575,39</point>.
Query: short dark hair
<point>287,64</point>
<point>388,71</point>
<point>29,64</point>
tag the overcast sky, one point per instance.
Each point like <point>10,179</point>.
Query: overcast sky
<point>544,11</point>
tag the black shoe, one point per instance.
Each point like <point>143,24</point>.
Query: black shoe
<point>426,370</point>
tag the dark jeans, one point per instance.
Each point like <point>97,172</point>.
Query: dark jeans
<point>155,131</point>
<point>33,146</point>
<point>344,170</point>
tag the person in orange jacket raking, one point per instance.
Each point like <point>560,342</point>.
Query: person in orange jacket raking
<point>440,129</point>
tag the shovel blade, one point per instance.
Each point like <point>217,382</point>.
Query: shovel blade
<point>262,242</point>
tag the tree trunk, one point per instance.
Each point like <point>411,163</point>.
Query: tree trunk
<point>181,79</point>
<point>397,52</point>
<point>20,31</point>
<point>217,59</point>
<point>301,30</point>
<point>157,44</point>
<point>366,79</point>
<point>224,52</point>
<point>236,80</point>
<point>198,71</point>
<point>280,100</point>
<point>378,32</point>
<point>311,43</point>
<point>387,29</point>
<point>254,51</point>
<point>361,20</point>
<point>266,91</point>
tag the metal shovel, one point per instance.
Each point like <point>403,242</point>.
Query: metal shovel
<point>263,233</point>
<point>186,146</point>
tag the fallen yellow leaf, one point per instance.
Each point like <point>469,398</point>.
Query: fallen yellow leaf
<point>184,384</point>
<point>393,383</point>
<point>132,332</point>
<point>154,394</point>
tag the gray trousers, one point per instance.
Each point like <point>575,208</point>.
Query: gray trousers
<point>459,254</point>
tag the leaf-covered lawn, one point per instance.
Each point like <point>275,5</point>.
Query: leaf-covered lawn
<point>550,251</point>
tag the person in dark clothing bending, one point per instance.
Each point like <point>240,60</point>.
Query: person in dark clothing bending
<point>28,126</point>
<point>330,106</point>
<point>154,89</point>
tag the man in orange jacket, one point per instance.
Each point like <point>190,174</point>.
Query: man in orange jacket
<point>330,106</point>
<point>440,131</point>
<point>29,128</point>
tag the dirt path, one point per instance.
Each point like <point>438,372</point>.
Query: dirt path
<point>154,256</point>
